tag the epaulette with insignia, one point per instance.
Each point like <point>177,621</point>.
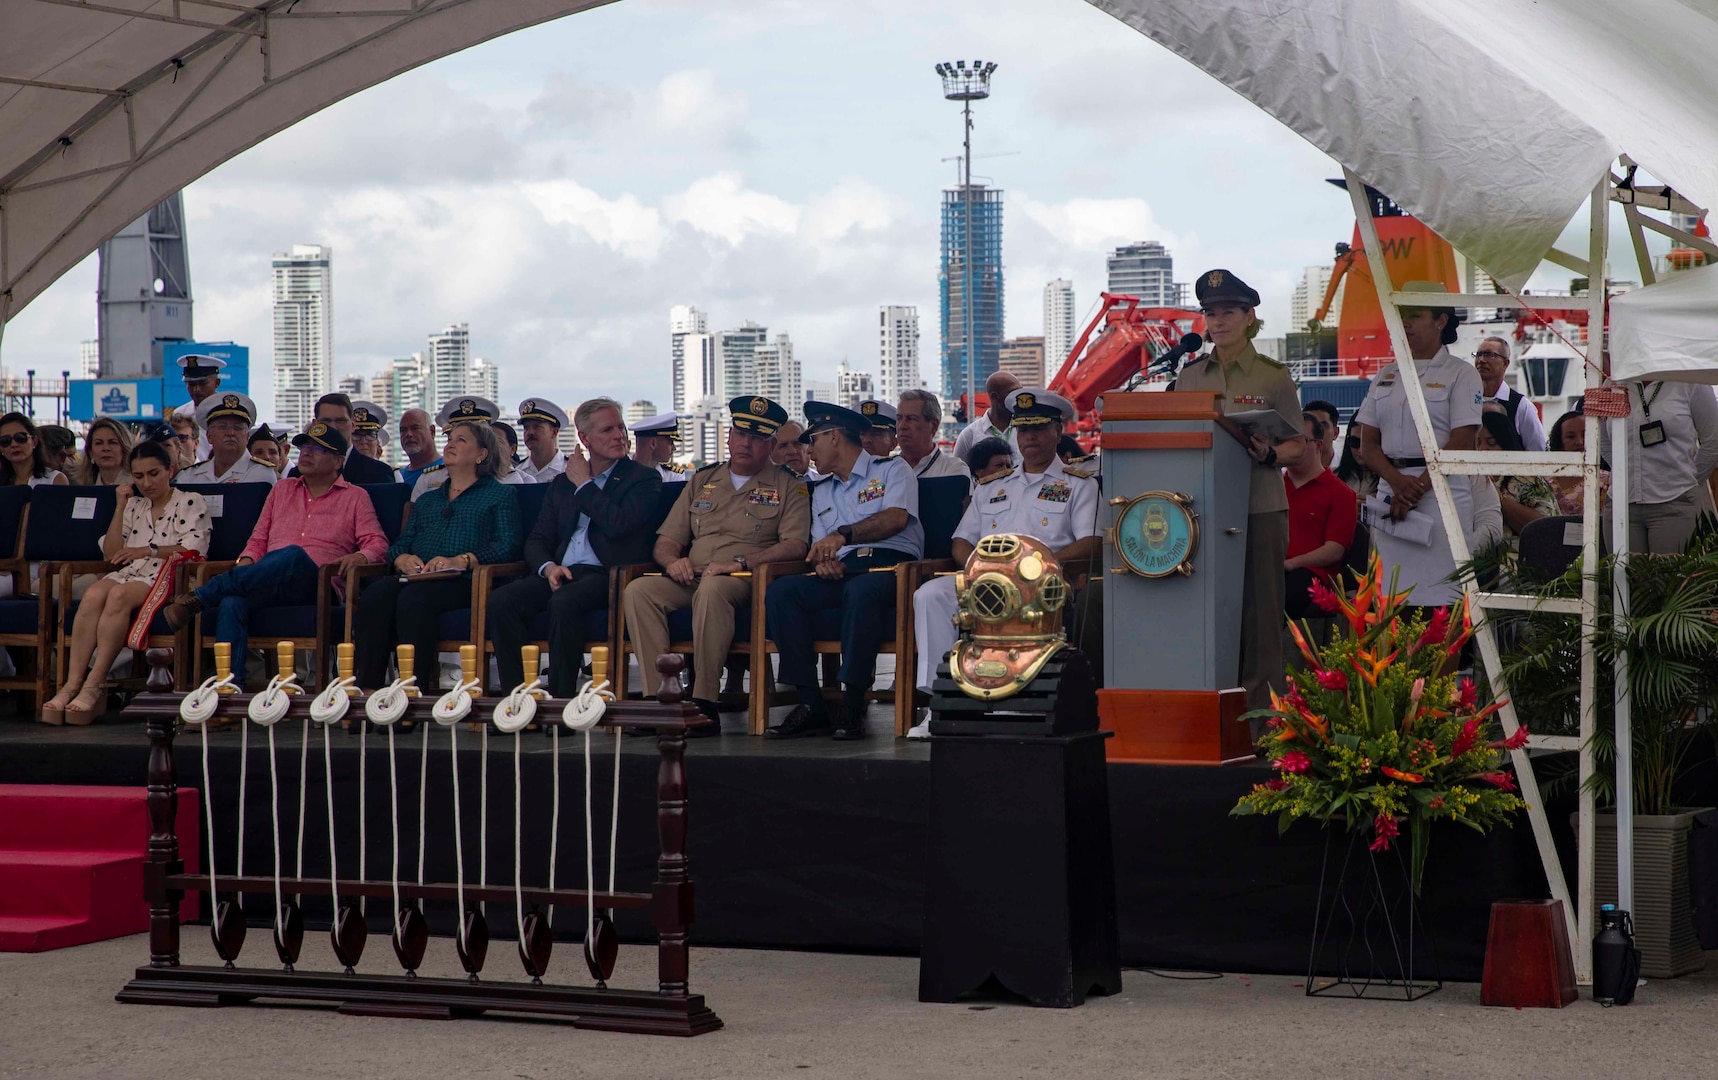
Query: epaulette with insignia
<point>1083,474</point>
<point>437,467</point>
<point>706,469</point>
<point>998,476</point>
<point>674,466</point>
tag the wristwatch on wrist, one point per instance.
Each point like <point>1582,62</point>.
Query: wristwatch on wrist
<point>741,560</point>
<point>154,552</point>
<point>1270,457</point>
<point>846,532</point>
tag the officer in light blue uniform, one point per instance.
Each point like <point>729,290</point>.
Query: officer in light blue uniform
<point>864,517</point>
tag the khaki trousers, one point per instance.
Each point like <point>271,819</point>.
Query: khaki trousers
<point>1262,610</point>
<point>648,602</point>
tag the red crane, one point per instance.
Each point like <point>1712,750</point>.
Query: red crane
<point>1128,339</point>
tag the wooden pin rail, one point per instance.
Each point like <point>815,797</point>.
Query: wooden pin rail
<point>669,1010</point>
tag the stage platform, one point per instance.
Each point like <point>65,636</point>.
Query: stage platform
<point>810,844</point>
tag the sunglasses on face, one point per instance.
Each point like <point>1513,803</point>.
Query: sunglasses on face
<point>18,439</point>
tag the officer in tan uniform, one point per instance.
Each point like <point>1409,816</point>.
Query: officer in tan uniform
<point>1248,382</point>
<point>731,517</point>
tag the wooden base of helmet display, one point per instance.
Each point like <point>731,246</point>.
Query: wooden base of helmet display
<point>1061,699</point>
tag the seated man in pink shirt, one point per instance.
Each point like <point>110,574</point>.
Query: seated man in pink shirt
<point>310,520</point>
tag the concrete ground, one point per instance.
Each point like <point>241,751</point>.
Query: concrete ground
<point>809,1015</point>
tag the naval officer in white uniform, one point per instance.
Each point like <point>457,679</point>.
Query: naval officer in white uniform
<point>654,440</point>
<point>1042,498</point>
<point>1407,526</point>
<point>542,421</point>
<point>202,376</point>
<point>226,420</point>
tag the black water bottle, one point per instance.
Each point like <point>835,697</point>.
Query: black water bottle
<point>1616,962</point>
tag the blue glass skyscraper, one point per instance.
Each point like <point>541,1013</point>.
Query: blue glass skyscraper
<point>986,206</point>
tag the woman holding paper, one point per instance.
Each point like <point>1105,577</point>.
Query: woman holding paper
<point>1250,383</point>
<point>1407,525</point>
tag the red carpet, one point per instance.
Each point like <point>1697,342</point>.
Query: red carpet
<point>71,863</point>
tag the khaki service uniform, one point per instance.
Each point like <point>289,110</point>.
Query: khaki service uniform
<point>713,522</point>
<point>1247,383</point>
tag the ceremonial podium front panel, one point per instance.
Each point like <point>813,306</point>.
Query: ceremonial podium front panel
<point>1176,483</point>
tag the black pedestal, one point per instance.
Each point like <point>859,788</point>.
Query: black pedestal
<point>1020,878</point>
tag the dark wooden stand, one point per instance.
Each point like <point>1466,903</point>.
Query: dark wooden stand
<point>1020,876</point>
<point>670,1010</point>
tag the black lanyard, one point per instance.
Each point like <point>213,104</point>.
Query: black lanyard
<point>1646,402</point>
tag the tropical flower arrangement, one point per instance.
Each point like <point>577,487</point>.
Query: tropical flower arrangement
<point>1379,733</point>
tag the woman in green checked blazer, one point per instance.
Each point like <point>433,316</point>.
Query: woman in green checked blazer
<point>454,527</point>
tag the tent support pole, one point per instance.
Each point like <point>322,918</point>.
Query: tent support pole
<point>1456,533</point>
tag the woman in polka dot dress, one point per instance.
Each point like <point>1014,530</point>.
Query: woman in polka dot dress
<point>154,521</point>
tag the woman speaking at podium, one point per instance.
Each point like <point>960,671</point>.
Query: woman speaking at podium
<point>1248,382</point>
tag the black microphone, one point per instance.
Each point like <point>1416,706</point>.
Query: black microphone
<point>1169,361</point>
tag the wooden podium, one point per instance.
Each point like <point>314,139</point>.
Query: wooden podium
<point>1175,554</point>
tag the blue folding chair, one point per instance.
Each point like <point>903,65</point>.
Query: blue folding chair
<point>20,620</point>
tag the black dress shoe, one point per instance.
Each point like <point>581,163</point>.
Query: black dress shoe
<point>798,724</point>
<point>849,724</point>
<point>710,730</point>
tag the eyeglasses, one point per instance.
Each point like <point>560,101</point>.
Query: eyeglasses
<point>18,439</point>
<point>1488,353</point>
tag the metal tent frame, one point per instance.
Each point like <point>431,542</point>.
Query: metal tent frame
<point>1441,464</point>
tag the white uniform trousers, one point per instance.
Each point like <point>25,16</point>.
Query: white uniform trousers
<point>934,607</point>
<point>1425,568</point>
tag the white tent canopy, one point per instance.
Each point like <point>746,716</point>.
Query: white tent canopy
<point>1668,331</point>
<point>1488,119</point>
<point>106,108</point>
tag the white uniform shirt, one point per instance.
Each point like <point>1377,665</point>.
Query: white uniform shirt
<point>1527,423</point>
<point>436,477</point>
<point>982,429</point>
<point>189,410</point>
<point>554,467</point>
<point>1454,398</point>
<point>939,463</point>
<point>246,470</point>
<point>1054,506</point>
<point>1689,452</point>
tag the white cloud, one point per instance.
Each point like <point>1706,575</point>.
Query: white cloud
<point>722,206</point>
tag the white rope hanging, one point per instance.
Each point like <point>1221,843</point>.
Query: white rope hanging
<point>582,713</point>
<point>453,707</point>
<point>327,709</point>
<point>328,786</point>
<point>512,714</point>
<point>267,709</point>
<point>423,802</point>
<point>385,707</point>
<point>196,709</point>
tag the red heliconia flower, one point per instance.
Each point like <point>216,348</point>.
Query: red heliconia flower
<point>1323,597</point>
<point>1274,722</point>
<point>1332,680</point>
<point>1436,630</point>
<point>1384,830</point>
<point>1295,761</point>
<point>1275,783</point>
<point>1466,630</point>
<point>1467,695</point>
<point>1514,742</point>
<point>1293,698</point>
<point>1465,738</point>
<point>1499,779</point>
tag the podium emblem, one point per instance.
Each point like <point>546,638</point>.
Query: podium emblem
<point>1157,534</point>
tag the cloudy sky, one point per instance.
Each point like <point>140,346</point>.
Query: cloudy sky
<point>772,160</point>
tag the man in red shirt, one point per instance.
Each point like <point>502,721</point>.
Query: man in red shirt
<point>1322,514</point>
<point>309,520</point>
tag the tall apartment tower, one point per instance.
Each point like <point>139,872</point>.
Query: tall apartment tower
<point>1146,270</point>
<point>638,411</point>
<point>987,311</point>
<point>484,380</point>
<point>303,332</point>
<point>1309,293</point>
<point>144,297</point>
<point>778,373</point>
<point>685,321</point>
<point>897,351</point>
<point>1059,329</point>
<point>1023,358</point>
<point>448,359</point>
<point>852,387</point>
<point>736,359</point>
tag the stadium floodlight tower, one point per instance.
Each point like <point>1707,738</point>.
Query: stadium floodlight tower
<point>967,85</point>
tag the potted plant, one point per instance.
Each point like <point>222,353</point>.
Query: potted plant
<point>1380,737</point>
<point>1672,641</point>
